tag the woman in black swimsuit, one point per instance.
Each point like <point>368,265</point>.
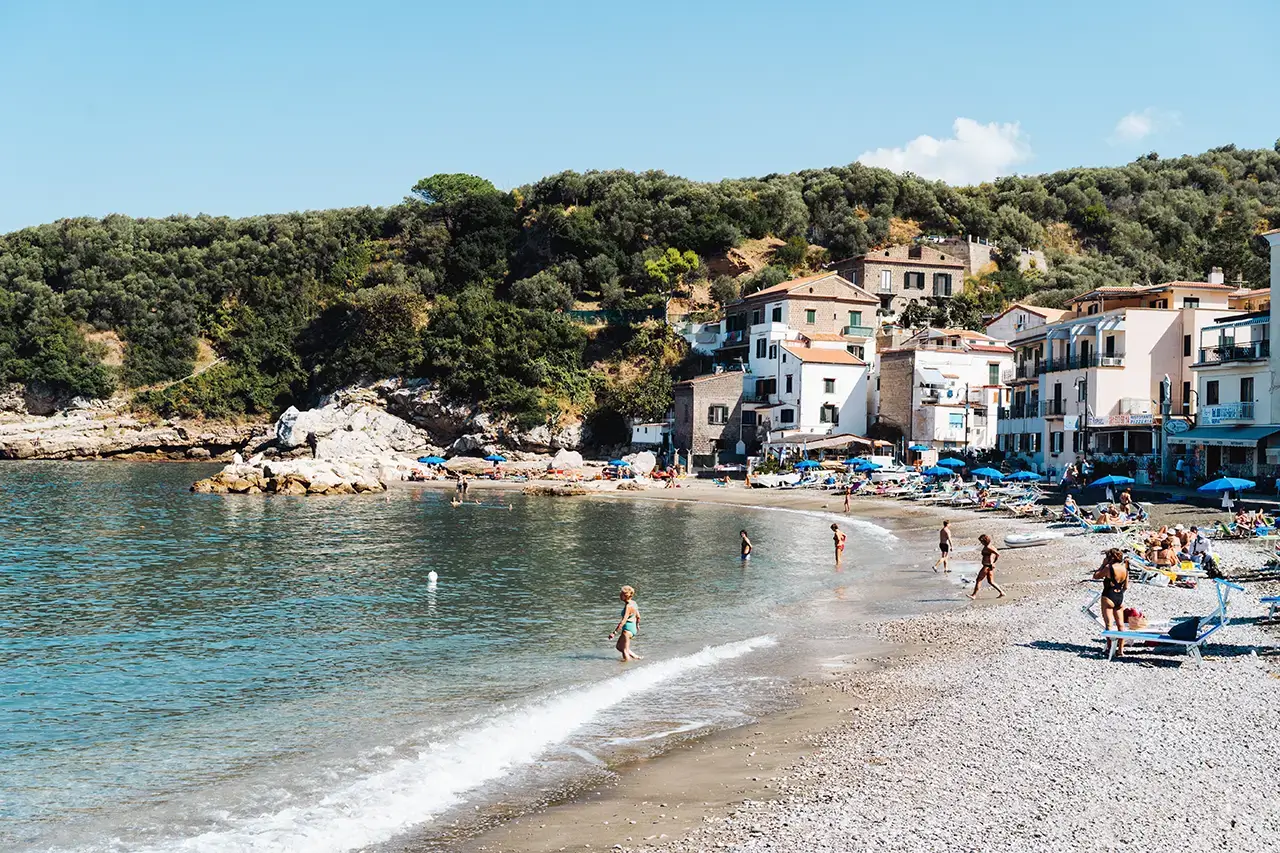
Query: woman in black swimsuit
<point>988,570</point>
<point>1114,574</point>
<point>746,546</point>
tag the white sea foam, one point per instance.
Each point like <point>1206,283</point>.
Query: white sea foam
<point>414,790</point>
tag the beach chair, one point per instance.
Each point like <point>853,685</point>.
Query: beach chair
<point>1273,604</point>
<point>1190,639</point>
<point>1097,528</point>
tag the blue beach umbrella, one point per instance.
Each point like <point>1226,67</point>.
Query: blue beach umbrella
<point>918,448</point>
<point>619,463</point>
<point>939,471</point>
<point>807,463</point>
<point>495,457</point>
<point>1025,477</point>
<point>951,463</point>
<point>1227,484</point>
<point>1112,480</point>
<point>431,460</point>
<point>988,474</point>
<point>866,465</point>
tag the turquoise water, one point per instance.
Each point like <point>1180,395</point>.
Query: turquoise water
<point>234,673</point>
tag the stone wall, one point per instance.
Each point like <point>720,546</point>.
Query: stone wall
<point>693,401</point>
<point>897,382</point>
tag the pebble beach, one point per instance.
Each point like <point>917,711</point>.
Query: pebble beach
<point>997,725</point>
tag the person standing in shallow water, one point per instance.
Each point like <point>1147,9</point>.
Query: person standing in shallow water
<point>628,624</point>
<point>838,537</point>
<point>944,545</point>
<point>989,557</point>
<point>746,546</point>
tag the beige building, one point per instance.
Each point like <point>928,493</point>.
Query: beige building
<point>900,275</point>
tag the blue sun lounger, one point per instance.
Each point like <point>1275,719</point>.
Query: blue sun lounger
<point>1206,627</point>
<point>1273,604</point>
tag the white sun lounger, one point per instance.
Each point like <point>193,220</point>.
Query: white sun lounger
<point>1208,626</point>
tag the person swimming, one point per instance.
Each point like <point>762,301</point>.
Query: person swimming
<point>628,624</point>
<point>838,537</point>
<point>746,545</point>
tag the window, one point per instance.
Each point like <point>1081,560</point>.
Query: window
<point>787,416</point>
<point>1190,302</point>
<point>748,418</point>
<point>886,281</point>
<point>1082,392</point>
<point>856,351</point>
<point>1186,398</point>
<point>993,373</point>
<point>1246,389</point>
<point>828,386</point>
<point>718,415</point>
<point>1159,303</point>
<point>773,351</point>
<point>776,314</point>
<point>762,345</point>
<point>942,284</point>
<point>828,414</point>
<point>855,318</point>
<point>1093,308</point>
<point>1186,345</point>
<point>1211,392</point>
<point>1109,345</point>
<point>1055,442</point>
<point>757,317</point>
<point>788,386</point>
<point>913,280</point>
<point>810,316</point>
<point>1035,442</point>
<point>1075,442</point>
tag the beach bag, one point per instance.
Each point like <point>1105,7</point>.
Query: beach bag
<point>1187,629</point>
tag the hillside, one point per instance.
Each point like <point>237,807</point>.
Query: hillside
<point>463,283</point>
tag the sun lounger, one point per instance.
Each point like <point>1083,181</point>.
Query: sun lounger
<point>1273,604</point>
<point>1205,627</point>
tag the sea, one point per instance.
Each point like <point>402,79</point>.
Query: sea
<point>220,673</point>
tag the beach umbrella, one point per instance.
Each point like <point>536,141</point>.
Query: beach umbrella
<point>938,471</point>
<point>988,474</point>
<point>619,463</point>
<point>495,457</point>
<point>866,465</point>
<point>431,460</point>
<point>918,448</point>
<point>1025,477</point>
<point>951,463</point>
<point>806,463</point>
<point>1227,484</point>
<point>1112,480</point>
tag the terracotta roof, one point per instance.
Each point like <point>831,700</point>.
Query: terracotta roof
<point>1201,285</point>
<point>913,262</point>
<point>1049,314</point>
<point>1272,231</point>
<point>706,376</point>
<point>822,356</point>
<point>821,336</point>
<point>787,285</point>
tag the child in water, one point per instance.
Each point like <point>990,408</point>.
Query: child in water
<point>628,624</point>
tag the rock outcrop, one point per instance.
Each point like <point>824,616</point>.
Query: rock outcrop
<point>95,434</point>
<point>292,477</point>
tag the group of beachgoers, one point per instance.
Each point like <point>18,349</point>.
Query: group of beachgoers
<point>989,556</point>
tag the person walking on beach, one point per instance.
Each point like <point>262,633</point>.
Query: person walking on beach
<point>989,557</point>
<point>838,537</point>
<point>746,546</point>
<point>944,545</point>
<point>1114,574</point>
<point>848,492</point>
<point>628,624</point>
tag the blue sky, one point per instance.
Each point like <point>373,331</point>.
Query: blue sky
<point>254,107</point>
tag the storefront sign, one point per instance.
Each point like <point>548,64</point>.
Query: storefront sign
<point>1173,426</point>
<point>1122,420</point>
<point>1071,423</point>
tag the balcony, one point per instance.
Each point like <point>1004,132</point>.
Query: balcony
<point>1076,362</point>
<point>1055,408</point>
<point>1225,413</point>
<point>858,331</point>
<point>1024,371</point>
<point>737,337</point>
<point>1229,352</point>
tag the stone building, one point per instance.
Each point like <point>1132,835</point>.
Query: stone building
<point>899,275</point>
<point>976,253</point>
<point>708,416</point>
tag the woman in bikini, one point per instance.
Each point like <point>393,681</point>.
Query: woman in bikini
<point>1114,574</point>
<point>838,537</point>
<point>746,546</point>
<point>628,624</point>
<point>989,557</point>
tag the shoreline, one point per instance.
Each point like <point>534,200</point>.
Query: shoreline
<point>748,786</point>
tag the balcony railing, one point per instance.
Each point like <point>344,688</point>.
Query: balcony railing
<point>858,331</point>
<point>1247,351</point>
<point>735,338</point>
<point>1225,413</point>
<point>1055,408</point>
<point>1076,362</point>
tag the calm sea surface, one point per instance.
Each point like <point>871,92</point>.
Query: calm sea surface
<point>187,672</point>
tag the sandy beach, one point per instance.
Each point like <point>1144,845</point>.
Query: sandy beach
<point>989,725</point>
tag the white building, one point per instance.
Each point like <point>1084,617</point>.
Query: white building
<point>655,434</point>
<point>821,390</point>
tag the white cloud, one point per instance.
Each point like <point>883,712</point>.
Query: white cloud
<point>977,152</point>
<point>1138,125</point>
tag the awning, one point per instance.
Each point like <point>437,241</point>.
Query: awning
<point>932,376</point>
<point>1225,436</point>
